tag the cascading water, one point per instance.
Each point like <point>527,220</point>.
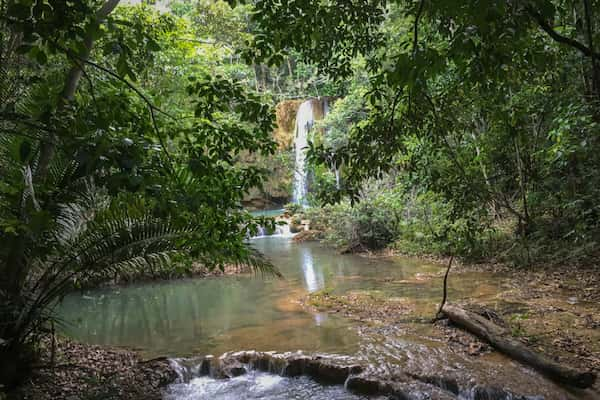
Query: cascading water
<point>305,120</point>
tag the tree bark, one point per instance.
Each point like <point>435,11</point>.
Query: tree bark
<point>590,38</point>
<point>501,340</point>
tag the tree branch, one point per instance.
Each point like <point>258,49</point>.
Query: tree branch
<point>416,27</point>
<point>71,84</point>
<point>153,109</point>
<point>445,295</point>
<point>546,27</point>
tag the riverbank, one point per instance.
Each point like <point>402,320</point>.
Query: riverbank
<point>553,310</point>
<point>194,270</point>
<point>183,318</point>
<point>88,372</point>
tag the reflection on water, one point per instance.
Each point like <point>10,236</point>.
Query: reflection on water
<point>215,315</point>
<point>212,316</point>
<point>313,278</point>
<point>221,314</point>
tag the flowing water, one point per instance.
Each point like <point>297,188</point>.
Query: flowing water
<point>257,385</point>
<point>305,120</point>
<point>190,317</point>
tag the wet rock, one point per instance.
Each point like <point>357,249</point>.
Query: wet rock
<point>277,363</point>
<point>445,383</point>
<point>229,366</point>
<point>246,357</point>
<point>331,370</point>
<point>364,385</point>
<point>416,391</point>
<point>261,362</point>
<point>234,370</point>
<point>296,366</point>
<point>327,371</point>
<point>205,365</point>
<point>493,393</point>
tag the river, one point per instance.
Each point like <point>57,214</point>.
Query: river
<point>188,317</point>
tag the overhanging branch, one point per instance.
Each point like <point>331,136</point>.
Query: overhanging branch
<point>546,27</point>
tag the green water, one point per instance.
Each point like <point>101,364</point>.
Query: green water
<point>199,316</point>
<point>268,213</point>
<point>212,316</point>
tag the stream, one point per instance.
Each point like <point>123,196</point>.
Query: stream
<point>194,317</point>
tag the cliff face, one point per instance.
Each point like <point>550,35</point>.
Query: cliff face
<point>286,123</point>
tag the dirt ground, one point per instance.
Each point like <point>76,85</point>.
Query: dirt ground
<point>86,372</point>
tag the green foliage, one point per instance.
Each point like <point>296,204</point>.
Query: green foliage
<point>516,324</point>
<point>491,106</point>
<point>118,156</point>
<point>293,208</point>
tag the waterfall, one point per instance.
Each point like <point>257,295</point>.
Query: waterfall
<point>305,119</point>
<point>280,231</point>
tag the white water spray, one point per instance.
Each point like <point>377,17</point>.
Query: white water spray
<point>305,119</point>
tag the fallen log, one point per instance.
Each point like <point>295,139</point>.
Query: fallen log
<point>499,338</point>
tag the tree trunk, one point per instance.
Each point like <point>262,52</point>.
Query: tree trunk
<point>590,38</point>
<point>17,268</point>
<point>501,340</point>
<point>68,94</point>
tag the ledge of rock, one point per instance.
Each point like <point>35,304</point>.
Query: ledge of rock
<point>340,370</point>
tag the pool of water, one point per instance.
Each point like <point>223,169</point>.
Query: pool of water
<point>276,212</point>
<point>199,316</point>
<point>189,317</point>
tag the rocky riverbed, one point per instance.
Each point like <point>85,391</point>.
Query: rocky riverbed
<point>357,378</point>
<point>552,313</point>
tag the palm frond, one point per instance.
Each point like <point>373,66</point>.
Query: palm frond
<point>257,262</point>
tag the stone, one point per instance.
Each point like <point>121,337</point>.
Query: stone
<point>329,372</point>
<point>231,368</point>
<point>205,365</point>
<point>296,366</point>
<point>261,362</point>
<point>364,385</point>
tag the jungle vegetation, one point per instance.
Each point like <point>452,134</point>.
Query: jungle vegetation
<point>464,127</point>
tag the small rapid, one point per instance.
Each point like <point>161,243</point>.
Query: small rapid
<point>268,375</point>
<point>257,385</point>
<point>195,317</point>
<point>282,231</point>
